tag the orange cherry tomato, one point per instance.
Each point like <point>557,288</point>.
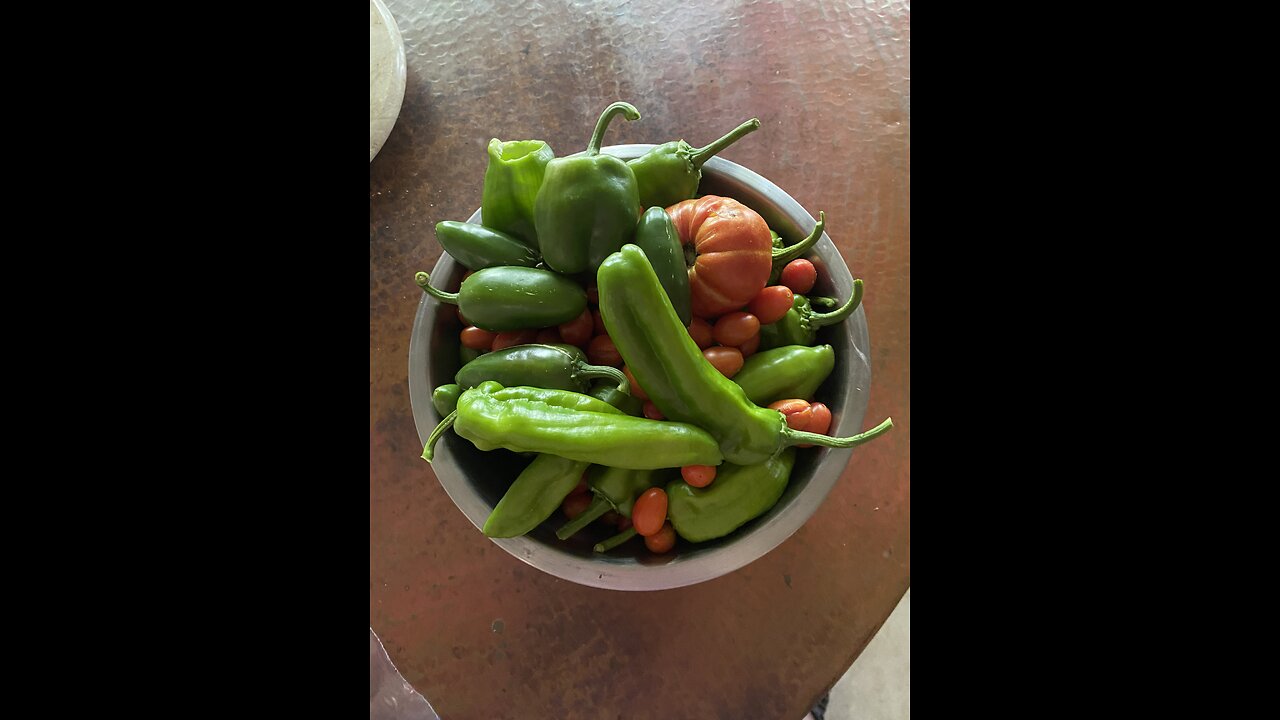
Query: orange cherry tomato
<point>662,541</point>
<point>597,323</point>
<point>649,511</point>
<point>797,411</point>
<point>821,422</point>
<point>698,475</point>
<point>771,303</point>
<point>750,347</point>
<point>602,351</point>
<point>727,360</point>
<point>514,337</point>
<point>477,338</point>
<point>578,331</point>
<point>799,275</point>
<point>636,390</point>
<point>735,328</point>
<point>700,331</point>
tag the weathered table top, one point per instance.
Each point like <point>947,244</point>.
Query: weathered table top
<point>478,632</point>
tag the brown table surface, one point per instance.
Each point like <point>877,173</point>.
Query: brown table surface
<point>480,633</point>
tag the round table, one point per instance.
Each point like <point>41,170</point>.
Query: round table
<point>481,634</point>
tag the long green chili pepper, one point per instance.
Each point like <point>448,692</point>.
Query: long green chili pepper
<point>574,426</point>
<point>793,371</point>
<point>478,247</point>
<point>667,364</point>
<point>785,254</point>
<point>801,324</point>
<point>555,367</point>
<point>657,236</point>
<point>671,171</point>
<point>739,494</point>
<point>511,183</point>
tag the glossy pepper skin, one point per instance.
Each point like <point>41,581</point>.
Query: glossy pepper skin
<point>478,247</point>
<point>672,171</point>
<point>511,183</point>
<point>614,489</point>
<point>445,398</point>
<point>667,363</point>
<point>793,371</point>
<point>513,298</point>
<point>539,489</point>
<point>740,494</point>
<point>554,367</point>
<point>609,392</point>
<point>574,426</point>
<point>656,235</point>
<point>587,205</point>
<point>801,324</point>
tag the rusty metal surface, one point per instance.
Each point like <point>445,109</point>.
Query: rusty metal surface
<point>476,631</point>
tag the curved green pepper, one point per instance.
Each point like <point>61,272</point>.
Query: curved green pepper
<point>544,366</point>
<point>657,236</point>
<point>615,489</point>
<point>445,398</point>
<point>513,298</point>
<point>511,184</point>
<point>783,254</point>
<point>587,205</point>
<point>667,364</point>
<point>801,324</point>
<point>739,494</point>
<point>478,247</point>
<point>670,172</point>
<point>793,371</point>
<point>574,426</point>
<point>608,392</point>
<point>541,487</point>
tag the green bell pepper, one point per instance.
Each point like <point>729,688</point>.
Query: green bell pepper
<point>511,183</point>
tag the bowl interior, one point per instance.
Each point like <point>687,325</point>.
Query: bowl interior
<point>476,480</point>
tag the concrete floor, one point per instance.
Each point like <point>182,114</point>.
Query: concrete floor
<point>878,685</point>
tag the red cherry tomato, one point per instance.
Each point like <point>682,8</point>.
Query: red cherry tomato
<point>575,505</point>
<point>821,422</point>
<point>799,275</point>
<point>798,412</point>
<point>602,351</point>
<point>698,475</point>
<point>514,337</point>
<point>771,303</point>
<point>578,331</point>
<point>636,390</point>
<point>598,323</point>
<point>662,541</point>
<point>700,331</point>
<point>477,338</point>
<point>750,347</point>
<point>649,511</point>
<point>548,336</point>
<point>735,328</point>
<point>727,360</point>
<point>652,412</point>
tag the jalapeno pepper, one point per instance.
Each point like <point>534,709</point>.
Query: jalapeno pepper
<point>513,298</point>
<point>574,426</point>
<point>793,371</point>
<point>671,171</point>
<point>801,324</point>
<point>587,205</point>
<point>553,367</point>
<point>615,489</point>
<point>478,247</point>
<point>511,183</point>
<point>740,494</point>
<point>608,392</point>
<point>657,236</point>
<point>445,398</point>
<point>666,362</point>
<point>466,355</point>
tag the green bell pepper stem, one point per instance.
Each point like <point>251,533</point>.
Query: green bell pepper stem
<point>593,147</point>
<point>785,255</point>
<point>819,320</point>
<point>797,437</point>
<point>424,282</point>
<point>615,541</point>
<point>598,507</point>
<point>429,450</point>
<point>701,155</point>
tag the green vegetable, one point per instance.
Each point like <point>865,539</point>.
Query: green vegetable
<point>785,254</point>
<point>670,172</point>
<point>511,184</point>
<point>445,398</point>
<point>574,426</point>
<point>656,235</point>
<point>478,247</point>
<point>466,355</point>
<point>555,367</point>
<point>610,393</point>
<point>513,298</point>
<point>668,365</point>
<point>615,489</point>
<point>588,204</point>
<point>739,494</point>
<point>801,324</point>
<point>793,371</point>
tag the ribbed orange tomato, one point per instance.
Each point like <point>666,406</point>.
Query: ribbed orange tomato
<point>732,252</point>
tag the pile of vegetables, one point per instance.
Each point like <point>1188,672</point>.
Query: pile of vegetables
<point>654,351</point>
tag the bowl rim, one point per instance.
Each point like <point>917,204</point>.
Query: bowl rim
<point>610,573</point>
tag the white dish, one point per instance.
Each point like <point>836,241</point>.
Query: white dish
<point>386,75</point>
